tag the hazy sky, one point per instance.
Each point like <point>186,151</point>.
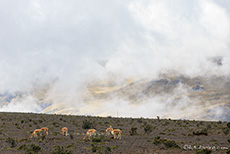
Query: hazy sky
<point>43,40</point>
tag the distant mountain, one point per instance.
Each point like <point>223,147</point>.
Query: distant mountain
<point>181,97</point>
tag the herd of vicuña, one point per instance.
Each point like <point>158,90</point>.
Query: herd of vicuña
<point>90,133</point>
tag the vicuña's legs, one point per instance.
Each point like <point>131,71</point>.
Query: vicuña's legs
<point>116,133</point>
<point>45,129</point>
<point>64,131</point>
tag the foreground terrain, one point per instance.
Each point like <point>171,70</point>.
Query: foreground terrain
<point>139,135</point>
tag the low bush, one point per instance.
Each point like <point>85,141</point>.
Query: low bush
<point>94,148</point>
<point>228,151</point>
<point>204,151</point>
<point>71,136</point>
<point>33,149</point>
<point>167,143</point>
<point>225,130</point>
<point>87,124</point>
<point>98,138</point>
<point>12,142</point>
<point>228,140</point>
<point>61,150</point>
<point>202,132</point>
<point>133,131</point>
<point>22,147</point>
<point>148,129</point>
<point>228,124</point>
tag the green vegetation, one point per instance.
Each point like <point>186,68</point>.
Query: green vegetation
<point>228,140</point>
<point>204,151</point>
<point>202,132</point>
<point>61,150</point>
<point>225,130</point>
<point>167,143</point>
<point>94,148</point>
<point>12,142</point>
<point>87,124</point>
<point>228,125</point>
<point>133,131</point>
<point>173,134</point>
<point>148,129</point>
<point>33,149</point>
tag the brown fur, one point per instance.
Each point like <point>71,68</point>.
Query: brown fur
<point>116,133</point>
<point>64,131</point>
<point>35,133</point>
<point>45,129</point>
<point>90,132</point>
<point>108,130</point>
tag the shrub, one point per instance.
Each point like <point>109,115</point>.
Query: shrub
<point>228,151</point>
<point>70,145</point>
<point>167,143</point>
<point>148,128</point>
<point>98,138</point>
<point>12,142</point>
<point>33,149</point>
<point>22,147</point>
<point>56,124</point>
<point>87,124</point>
<point>107,150</point>
<point>228,140</point>
<point>228,124</point>
<point>35,122</point>
<point>204,151</point>
<point>170,144</point>
<point>157,140</point>
<point>61,150</point>
<point>209,127</point>
<point>40,121</point>
<point>94,148</point>
<point>140,120</point>
<point>166,123</point>
<point>202,132</point>
<point>133,131</point>
<point>225,130</point>
<point>71,136</point>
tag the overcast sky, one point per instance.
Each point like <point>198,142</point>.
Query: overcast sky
<point>43,40</point>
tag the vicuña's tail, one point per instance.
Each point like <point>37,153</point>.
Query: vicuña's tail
<point>84,136</point>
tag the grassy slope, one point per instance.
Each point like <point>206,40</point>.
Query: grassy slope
<point>19,126</point>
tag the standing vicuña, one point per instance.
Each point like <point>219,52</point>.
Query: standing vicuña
<point>108,131</point>
<point>116,132</point>
<point>64,131</point>
<point>45,130</point>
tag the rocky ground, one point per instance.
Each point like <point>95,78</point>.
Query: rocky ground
<point>139,135</point>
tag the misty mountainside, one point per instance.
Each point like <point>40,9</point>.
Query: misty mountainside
<point>169,96</point>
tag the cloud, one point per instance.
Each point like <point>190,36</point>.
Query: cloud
<point>60,43</point>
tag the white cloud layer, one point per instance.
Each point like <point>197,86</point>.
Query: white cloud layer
<point>42,41</point>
